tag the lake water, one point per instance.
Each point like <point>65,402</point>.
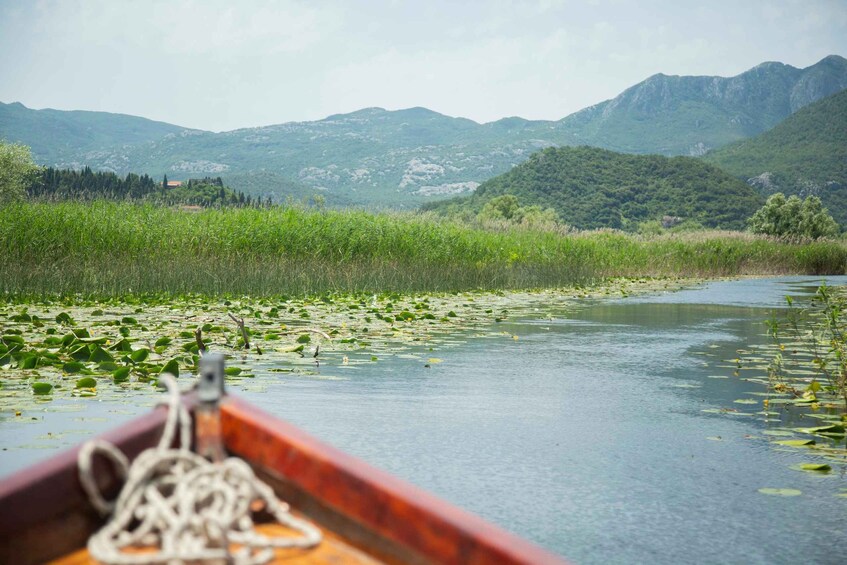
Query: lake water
<point>586,434</point>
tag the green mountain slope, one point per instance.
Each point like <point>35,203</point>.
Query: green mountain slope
<point>403,158</point>
<point>57,136</point>
<point>593,188</point>
<point>804,155</point>
<point>688,115</point>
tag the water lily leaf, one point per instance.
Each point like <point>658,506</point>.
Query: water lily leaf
<point>817,467</point>
<point>233,371</point>
<point>123,345</point>
<point>41,388</point>
<point>69,340</point>
<point>796,442</point>
<point>81,353</point>
<point>129,321</point>
<point>73,367</point>
<point>163,341</point>
<point>832,429</point>
<point>781,491</point>
<point>171,367</point>
<point>64,318</point>
<point>28,362</point>
<point>139,355</point>
<point>100,355</point>
<point>86,382</point>
<point>108,366</point>
<point>304,338</point>
<point>121,375</point>
<point>745,401</point>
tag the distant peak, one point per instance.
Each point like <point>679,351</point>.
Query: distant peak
<point>832,59</point>
<point>417,111</point>
<point>370,111</point>
<point>770,64</point>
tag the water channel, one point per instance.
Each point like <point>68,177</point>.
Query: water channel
<point>594,433</point>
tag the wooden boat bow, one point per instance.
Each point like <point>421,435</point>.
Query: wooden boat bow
<point>46,514</point>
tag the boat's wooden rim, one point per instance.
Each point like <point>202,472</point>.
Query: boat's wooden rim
<point>46,514</point>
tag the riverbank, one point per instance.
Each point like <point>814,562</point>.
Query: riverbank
<point>111,249</point>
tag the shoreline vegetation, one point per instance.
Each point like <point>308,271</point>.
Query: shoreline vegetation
<point>107,249</point>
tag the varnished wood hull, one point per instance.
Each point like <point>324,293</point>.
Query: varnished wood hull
<point>45,514</point>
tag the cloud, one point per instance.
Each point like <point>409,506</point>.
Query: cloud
<point>220,65</point>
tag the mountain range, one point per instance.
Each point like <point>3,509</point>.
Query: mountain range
<point>402,158</point>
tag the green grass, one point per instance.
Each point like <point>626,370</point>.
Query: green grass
<point>104,248</point>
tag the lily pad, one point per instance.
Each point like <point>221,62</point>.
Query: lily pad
<point>830,430</point>
<point>86,382</point>
<point>781,491</point>
<point>796,442</point>
<point>139,355</point>
<point>73,367</point>
<point>121,375</point>
<point>42,388</point>
<point>171,367</point>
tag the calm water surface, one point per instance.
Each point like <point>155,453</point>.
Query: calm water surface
<point>586,434</point>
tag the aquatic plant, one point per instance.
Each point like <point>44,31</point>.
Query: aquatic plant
<point>110,249</point>
<point>818,334</point>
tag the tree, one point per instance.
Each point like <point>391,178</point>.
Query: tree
<point>792,217</point>
<point>18,171</point>
<point>507,207</point>
<point>504,207</point>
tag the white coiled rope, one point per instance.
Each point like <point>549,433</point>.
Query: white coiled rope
<point>183,505</point>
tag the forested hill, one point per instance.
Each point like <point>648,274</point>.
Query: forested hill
<point>58,136</point>
<point>806,154</point>
<point>594,188</point>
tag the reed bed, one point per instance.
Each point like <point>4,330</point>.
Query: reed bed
<point>110,248</point>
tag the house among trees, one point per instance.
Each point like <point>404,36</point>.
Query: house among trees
<point>166,184</point>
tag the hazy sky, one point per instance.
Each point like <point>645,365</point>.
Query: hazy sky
<point>222,65</point>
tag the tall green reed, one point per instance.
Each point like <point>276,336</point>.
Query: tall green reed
<point>115,248</point>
